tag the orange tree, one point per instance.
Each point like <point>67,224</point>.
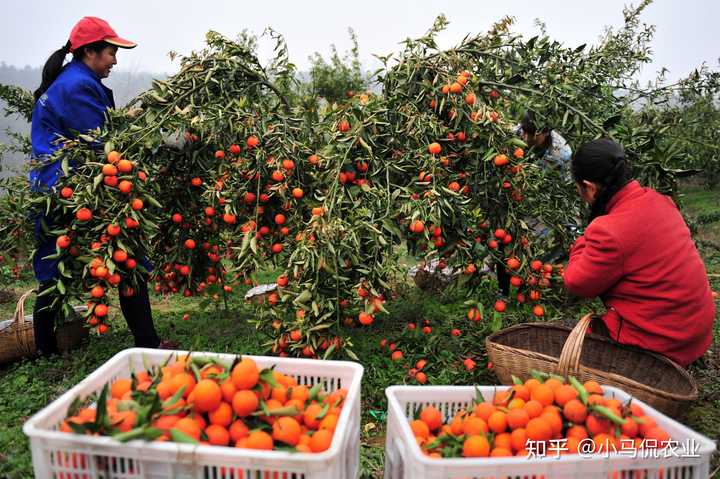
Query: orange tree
<point>223,175</point>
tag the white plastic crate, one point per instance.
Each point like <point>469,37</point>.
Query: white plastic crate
<point>405,460</point>
<point>58,455</point>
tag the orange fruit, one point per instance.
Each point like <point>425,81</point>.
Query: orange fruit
<point>279,393</point>
<point>543,394</point>
<point>299,406</point>
<point>516,403</point>
<point>164,389</point>
<point>517,418</point>
<point>474,426</point>
<point>420,429</point>
<point>538,429</point>
<point>259,440</point>
<point>552,383</point>
<point>572,446</point>
<point>113,157</point>
<point>501,452</point>
<point>185,380</point>
<point>287,430</point>
<point>476,446</point>
<point>646,425</point>
<point>657,434</point>
<point>321,440</point>
<point>565,393</point>
<point>593,387</point>
<point>575,411</point>
<point>483,410</point>
<point>518,439</point>
<point>166,422</point>
<point>456,426</point>
<point>228,390</point>
<point>217,435</point>
<point>245,402</point>
<point>636,409</point>
<point>125,186</point>
<point>310,416</point>
<point>245,374</point>
<point>87,414</point>
<point>554,420</point>
<point>221,416</point>
<point>124,166</point>
<point>533,408</point>
<point>432,417</point>
<point>630,428</point>
<point>208,395</point>
<point>188,426</point>
<point>238,430</point>
<point>300,392</point>
<point>522,392</point>
<point>83,214</point>
<point>577,431</point>
<point>597,425</point>
<point>532,383</point>
<point>120,387</point>
<point>126,420</point>
<point>503,440</point>
<point>329,422</point>
<point>497,422</point>
<point>199,420</point>
<point>303,448</point>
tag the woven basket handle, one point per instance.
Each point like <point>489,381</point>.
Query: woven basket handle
<point>19,321</point>
<point>569,362</point>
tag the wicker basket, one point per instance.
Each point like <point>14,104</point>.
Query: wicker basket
<point>17,338</point>
<point>550,348</point>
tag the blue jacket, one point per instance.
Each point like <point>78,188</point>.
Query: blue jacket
<point>76,102</point>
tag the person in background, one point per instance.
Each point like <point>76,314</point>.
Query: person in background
<point>553,150</point>
<point>637,255</point>
<point>554,153</point>
<point>72,99</point>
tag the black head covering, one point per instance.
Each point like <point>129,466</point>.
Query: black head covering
<point>602,162</point>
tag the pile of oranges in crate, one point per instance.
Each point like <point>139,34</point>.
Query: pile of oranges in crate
<point>575,417</point>
<point>201,401</point>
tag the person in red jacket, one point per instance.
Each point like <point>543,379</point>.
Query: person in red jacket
<point>637,255</point>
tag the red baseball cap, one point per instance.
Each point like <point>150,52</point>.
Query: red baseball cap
<point>93,29</point>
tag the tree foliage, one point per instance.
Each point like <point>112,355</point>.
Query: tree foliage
<point>236,169</point>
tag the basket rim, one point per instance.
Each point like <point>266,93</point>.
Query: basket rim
<point>492,343</point>
<point>98,443</point>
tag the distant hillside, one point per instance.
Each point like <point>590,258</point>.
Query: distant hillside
<point>125,85</point>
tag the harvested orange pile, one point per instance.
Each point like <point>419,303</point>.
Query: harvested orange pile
<point>545,413</point>
<point>195,400</point>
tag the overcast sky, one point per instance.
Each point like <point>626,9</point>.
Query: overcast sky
<point>687,31</point>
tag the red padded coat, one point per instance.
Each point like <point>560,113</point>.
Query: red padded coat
<point>641,261</point>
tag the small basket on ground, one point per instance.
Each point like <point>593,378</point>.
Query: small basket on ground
<point>17,339</point>
<point>259,294</point>
<point>552,348</point>
<point>57,454</point>
<point>405,460</point>
<point>430,277</point>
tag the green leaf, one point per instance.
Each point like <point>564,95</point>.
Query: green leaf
<point>179,436</point>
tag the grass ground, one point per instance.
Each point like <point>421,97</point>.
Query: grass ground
<point>28,386</point>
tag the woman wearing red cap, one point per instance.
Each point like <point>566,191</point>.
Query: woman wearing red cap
<point>637,255</point>
<point>70,100</point>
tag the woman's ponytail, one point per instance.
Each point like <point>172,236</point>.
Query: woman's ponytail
<point>602,162</point>
<point>51,70</point>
